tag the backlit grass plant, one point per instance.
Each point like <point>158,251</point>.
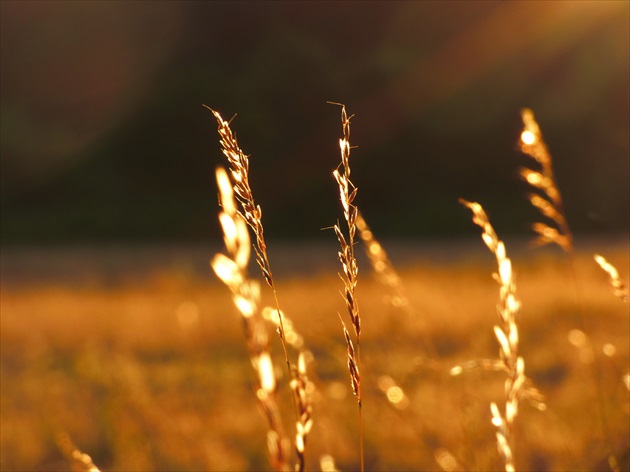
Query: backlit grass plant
<point>347,194</point>
<point>455,426</point>
<point>507,335</point>
<point>231,269</point>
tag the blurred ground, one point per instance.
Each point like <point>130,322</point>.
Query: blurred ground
<point>117,263</point>
<point>137,354</point>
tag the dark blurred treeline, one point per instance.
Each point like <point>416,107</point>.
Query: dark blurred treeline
<point>104,137</point>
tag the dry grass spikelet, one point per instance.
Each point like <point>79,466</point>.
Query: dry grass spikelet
<point>302,389</point>
<point>546,196</point>
<point>232,270</point>
<point>382,266</point>
<point>620,290</point>
<point>353,367</point>
<point>251,213</point>
<point>389,277</point>
<point>547,199</point>
<point>347,194</point>
<point>618,286</point>
<point>239,170</point>
<point>301,386</point>
<point>291,336</point>
<point>516,384</point>
<point>80,461</point>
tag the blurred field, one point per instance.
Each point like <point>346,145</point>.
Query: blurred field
<point>138,355</point>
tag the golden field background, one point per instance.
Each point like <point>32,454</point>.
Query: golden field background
<point>138,355</point>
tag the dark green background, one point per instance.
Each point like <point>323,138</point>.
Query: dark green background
<point>104,137</point>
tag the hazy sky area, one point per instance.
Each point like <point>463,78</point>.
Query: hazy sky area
<point>104,137</point>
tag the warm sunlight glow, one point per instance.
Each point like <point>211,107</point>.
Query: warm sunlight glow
<point>527,137</point>
<point>609,350</point>
<point>327,463</point>
<point>446,460</point>
<point>397,397</point>
<point>187,314</point>
<point>577,338</point>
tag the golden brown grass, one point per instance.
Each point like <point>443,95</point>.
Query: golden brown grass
<point>618,286</point>
<point>232,270</point>
<point>508,337</point>
<point>548,200</point>
<point>546,196</point>
<point>347,194</point>
<point>250,212</point>
<point>155,376</point>
<point>383,267</point>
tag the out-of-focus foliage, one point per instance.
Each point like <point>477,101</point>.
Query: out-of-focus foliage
<point>104,136</point>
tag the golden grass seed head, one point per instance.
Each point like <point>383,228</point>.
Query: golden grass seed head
<point>302,363</point>
<point>511,410</point>
<point>606,266</point>
<point>299,440</point>
<point>226,269</point>
<point>497,419</point>
<point>534,178</point>
<point>245,305</point>
<point>505,268</point>
<point>529,121</point>
<point>546,207</point>
<point>503,341</point>
<point>274,445</point>
<point>619,288</point>
<point>266,373</point>
<point>512,304</point>
<point>243,251</point>
<point>225,190</point>
<point>228,225</point>
<point>513,336</point>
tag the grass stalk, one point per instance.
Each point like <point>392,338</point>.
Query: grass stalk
<point>508,337</point>
<point>300,385</point>
<point>347,194</point>
<point>251,213</point>
<point>232,270</point>
<point>547,199</point>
